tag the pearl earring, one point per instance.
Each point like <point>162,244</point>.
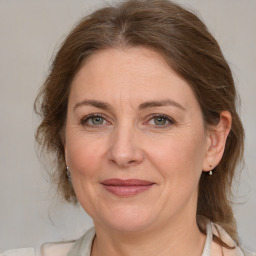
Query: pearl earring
<point>68,174</point>
<point>210,172</point>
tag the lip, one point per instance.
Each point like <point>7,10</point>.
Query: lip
<point>128,187</point>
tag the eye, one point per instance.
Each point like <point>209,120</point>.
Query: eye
<point>161,121</point>
<point>97,120</point>
<point>93,120</point>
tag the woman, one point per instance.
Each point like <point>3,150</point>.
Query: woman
<point>139,110</point>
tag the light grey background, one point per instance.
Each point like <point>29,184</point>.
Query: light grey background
<point>30,32</point>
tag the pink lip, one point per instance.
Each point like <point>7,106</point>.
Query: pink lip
<point>126,187</point>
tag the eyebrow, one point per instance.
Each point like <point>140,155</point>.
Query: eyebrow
<point>94,103</point>
<point>161,103</point>
<point>145,105</point>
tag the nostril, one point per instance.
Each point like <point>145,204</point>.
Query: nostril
<point>131,162</point>
<point>123,163</point>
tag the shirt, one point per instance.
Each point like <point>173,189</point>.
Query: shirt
<point>82,247</point>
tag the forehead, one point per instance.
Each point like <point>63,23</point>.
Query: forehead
<point>134,73</point>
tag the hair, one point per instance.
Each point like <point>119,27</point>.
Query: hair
<point>188,48</point>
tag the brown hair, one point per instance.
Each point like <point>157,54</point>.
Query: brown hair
<point>187,46</point>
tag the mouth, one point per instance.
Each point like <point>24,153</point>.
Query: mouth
<point>125,188</point>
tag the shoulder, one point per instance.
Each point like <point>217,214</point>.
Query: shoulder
<point>56,249</point>
<point>247,252</point>
<point>237,251</point>
<point>19,252</point>
<point>82,247</point>
<point>77,248</point>
<point>47,249</point>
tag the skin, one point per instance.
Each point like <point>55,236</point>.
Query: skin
<point>127,142</point>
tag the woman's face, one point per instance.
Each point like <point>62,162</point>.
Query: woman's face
<point>135,141</point>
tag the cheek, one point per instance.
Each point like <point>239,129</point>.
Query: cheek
<point>179,159</point>
<point>85,160</point>
<point>84,154</point>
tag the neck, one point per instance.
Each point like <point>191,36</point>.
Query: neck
<point>179,238</point>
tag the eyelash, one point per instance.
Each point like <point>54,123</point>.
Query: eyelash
<point>171,121</point>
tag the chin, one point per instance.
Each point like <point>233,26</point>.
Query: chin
<point>128,226</point>
<point>128,220</point>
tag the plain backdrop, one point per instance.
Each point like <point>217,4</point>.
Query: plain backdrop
<point>30,33</point>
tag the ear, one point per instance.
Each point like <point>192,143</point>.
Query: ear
<point>216,141</point>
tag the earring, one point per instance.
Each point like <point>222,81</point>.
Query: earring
<point>210,172</point>
<point>68,175</point>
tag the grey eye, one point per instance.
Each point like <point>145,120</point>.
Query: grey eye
<point>94,120</point>
<point>160,120</point>
<point>97,120</point>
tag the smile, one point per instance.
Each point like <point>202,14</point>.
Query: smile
<point>126,188</point>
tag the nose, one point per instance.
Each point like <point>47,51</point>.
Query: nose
<point>125,149</point>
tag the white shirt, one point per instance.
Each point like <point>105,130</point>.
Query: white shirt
<point>82,247</point>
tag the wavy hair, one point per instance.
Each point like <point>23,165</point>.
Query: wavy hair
<point>188,48</point>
